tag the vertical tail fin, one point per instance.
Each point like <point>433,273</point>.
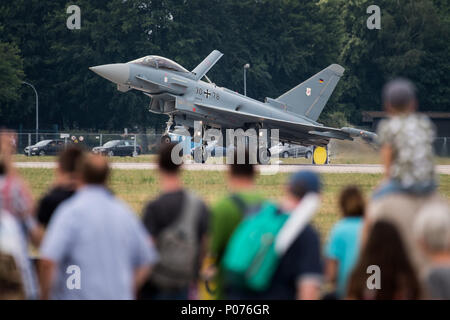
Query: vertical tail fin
<point>309,97</point>
<point>206,64</point>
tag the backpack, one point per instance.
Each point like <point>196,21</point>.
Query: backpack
<point>250,259</point>
<point>178,249</point>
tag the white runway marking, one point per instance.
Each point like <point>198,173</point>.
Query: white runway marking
<point>331,168</point>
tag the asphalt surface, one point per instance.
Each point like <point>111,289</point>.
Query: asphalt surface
<point>267,169</point>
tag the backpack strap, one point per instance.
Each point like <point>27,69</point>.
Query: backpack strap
<point>246,208</point>
<point>239,202</point>
<point>187,220</point>
<point>297,221</point>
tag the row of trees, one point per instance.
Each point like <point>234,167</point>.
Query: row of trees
<point>285,42</point>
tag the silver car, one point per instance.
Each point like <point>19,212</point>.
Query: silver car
<point>292,150</point>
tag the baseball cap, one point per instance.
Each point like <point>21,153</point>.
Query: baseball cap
<point>303,182</point>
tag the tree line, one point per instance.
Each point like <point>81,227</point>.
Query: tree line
<point>285,42</point>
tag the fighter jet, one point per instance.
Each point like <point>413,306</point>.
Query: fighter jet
<point>188,96</point>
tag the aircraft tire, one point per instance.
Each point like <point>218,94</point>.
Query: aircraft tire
<point>165,139</point>
<point>263,156</point>
<point>200,157</point>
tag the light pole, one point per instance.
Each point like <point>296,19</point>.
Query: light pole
<point>246,66</point>
<point>37,109</point>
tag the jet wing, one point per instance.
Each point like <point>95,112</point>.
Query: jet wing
<point>321,131</point>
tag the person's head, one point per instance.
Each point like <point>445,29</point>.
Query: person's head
<point>399,96</point>
<point>68,162</point>
<point>299,184</point>
<point>7,149</point>
<point>432,228</point>
<point>351,202</point>
<point>241,173</point>
<point>384,248</point>
<point>165,162</point>
<point>94,169</point>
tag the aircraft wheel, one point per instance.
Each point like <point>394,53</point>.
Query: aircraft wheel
<point>165,139</point>
<point>200,155</point>
<point>320,155</point>
<point>263,156</point>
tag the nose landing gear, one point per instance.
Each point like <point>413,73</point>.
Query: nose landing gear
<point>165,139</point>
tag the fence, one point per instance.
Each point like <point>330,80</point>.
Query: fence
<point>143,143</point>
<point>442,146</point>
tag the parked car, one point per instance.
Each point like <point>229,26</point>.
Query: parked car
<point>45,147</point>
<point>118,148</point>
<point>296,151</point>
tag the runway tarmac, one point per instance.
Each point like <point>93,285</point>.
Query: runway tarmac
<point>267,169</point>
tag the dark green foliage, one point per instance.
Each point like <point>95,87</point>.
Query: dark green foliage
<point>414,42</point>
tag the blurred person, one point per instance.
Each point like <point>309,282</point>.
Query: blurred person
<point>406,140</point>
<point>66,182</point>
<point>228,212</point>
<point>16,204</point>
<point>97,234</point>
<point>407,155</point>
<point>344,241</point>
<point>15,194</point>
<point>178,223</point>
<point>17,276</point>
<point>11,258</point>
<point>432,230</point>
<point>397,277</point>
<point>299,271</point>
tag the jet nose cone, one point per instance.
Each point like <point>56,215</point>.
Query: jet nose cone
<point>117,72</point>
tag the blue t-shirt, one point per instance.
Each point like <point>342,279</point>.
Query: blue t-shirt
<point>103,239</point>
<point>343,246</point>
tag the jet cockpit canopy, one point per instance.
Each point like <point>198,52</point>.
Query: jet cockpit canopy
<point>159,63</point>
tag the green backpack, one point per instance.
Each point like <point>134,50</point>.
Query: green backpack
<point>250,259</point>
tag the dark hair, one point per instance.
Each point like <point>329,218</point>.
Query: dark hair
<point>351,202</point>
<point>69,158</point>
<point>94,169</point>
<point>298,190</point>
<point>245,170</point>
<point>2,166</point>
<point>385,249</point>
<point>165,162</point>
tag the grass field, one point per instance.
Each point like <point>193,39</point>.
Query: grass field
<point>138,186</point>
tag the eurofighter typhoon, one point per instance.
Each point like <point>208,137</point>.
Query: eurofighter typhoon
<point>188,96</point>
